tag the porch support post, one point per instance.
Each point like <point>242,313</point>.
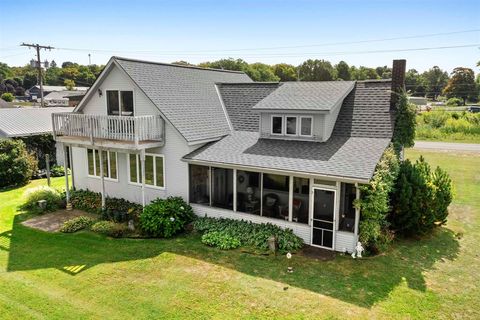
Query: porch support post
<point>67,186</point>
<point>142,167</point>
<point>102,178</point>
<point>357,214</point>
<point>290,198</point>
<point>70,157</point>
<point>234,190</point>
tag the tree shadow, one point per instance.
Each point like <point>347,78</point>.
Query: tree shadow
<point>362,282</point>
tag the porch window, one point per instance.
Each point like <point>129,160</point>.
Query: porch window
<point>300,202</point>
<point>275,196</point>
<point>277,125</point>
<point>199,184</point>
<point>248,192</point>
<point>347,209</point>
<point>154,170</point>
<point>120,103</point>
<point>109,163</point>
<point>222,188</point>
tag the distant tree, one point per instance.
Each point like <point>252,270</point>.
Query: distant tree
<point>414,83</point>
<point>316,70</point>
<point>52,76</point>
<point>7,96</point>
<point>384,72</point>
<point>435,80</point>
<point>461,84</point>
<point>183,63</point>
<point>30,79</point>
<point>70,84</point>
<point>67,64</point>
<point>19,91</point>
<point>364,73</point>
<point>53,64</point>
<point>261,72</point>
<point>11,82</point>
<point>226,64</point>
<point>286,72</point>
<point>5,71</point>
<point>343,71</point>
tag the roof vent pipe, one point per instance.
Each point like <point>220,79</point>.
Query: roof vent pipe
<point>398,81</point>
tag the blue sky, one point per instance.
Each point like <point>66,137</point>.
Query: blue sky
<point>198,31</point>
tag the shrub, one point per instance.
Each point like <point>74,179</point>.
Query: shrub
<point>454,102</point>
<point>421,199</point>
<point>220,240</point>
<point>76,224</point>
<point>16,164</point>
<point>52,196</point>
<point>117,209</point>
<point>110,228</point>
<point>7,96</point>
<point>251,234</point>
<point>375,202</point>
<point>166,217</point>
<point>404,133</point>
<point>57,171</point>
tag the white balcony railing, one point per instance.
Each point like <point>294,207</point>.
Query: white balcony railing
<point>135,129</point>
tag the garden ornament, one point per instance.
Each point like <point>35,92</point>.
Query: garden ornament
<point>289,269</point>
<point>357,252</point>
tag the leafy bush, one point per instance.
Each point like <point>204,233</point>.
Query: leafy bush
<point>250,234</point>
<point>454,102</point>
<point>16,164</point>
<point>166,217</point>
<point>375,203</point>
<point>220,240</point>
<point>7,96</point>
<point>76,224</point>
<point>443,125</point>
<point>110,228</point>
<point>53,197</point>
<point>57,171</point>
<point>421,199</point>
<point>117,209</point>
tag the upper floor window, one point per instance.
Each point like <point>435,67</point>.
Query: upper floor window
<point>120,103</point>
<point>297,126</point>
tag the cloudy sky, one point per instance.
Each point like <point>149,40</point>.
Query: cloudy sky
<point>369,33</point>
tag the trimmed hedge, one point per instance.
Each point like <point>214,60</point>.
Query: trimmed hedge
<point>249,233</point>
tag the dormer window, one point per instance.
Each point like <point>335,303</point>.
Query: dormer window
<point>306,126</point>
<point>277,125</point>
<point>291,126</point>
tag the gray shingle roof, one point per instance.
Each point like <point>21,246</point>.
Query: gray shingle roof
<point>350,157</point>
<point>315,96</point>
<point>20,122</point>
<point>186,96</point>
<point>366,111</point>
<point>239,100</point>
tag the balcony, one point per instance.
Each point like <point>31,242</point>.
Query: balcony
<point>137,132</point>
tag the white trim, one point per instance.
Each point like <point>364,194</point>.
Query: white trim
<point>138,166</point>
<point>312,200</point>
<point>223,107</point>
<point>119,95</point>
<point>271,124</point>
<point>95,176</point>
<point>290,198</point>
<point>234,190</point>
<point>300,127</point>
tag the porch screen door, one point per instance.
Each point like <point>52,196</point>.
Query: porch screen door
<point>323,221</point>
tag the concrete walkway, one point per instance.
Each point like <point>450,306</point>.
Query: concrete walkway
<point>447,146</point>
<point>53,221</point>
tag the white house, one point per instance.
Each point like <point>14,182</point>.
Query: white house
<point>292,154</point>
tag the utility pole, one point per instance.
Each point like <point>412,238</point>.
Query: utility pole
<point>39,65</point>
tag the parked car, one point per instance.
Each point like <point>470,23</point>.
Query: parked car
<point>473,109</point>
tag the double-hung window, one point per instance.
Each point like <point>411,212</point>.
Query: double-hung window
<point>154,170</point>
<point>109,163</point>
<point>290,126</point>
<point>119,103</point>
<point>306,124</point>
<point>277,125</point>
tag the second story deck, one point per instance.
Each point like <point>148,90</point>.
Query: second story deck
<point>129,132</point>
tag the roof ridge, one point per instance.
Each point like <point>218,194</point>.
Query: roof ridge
<point>175,65</point>
<point>249,83</point>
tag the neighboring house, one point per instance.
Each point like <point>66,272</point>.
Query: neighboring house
<point>62,98</point>
<point>292,154</point>
<point>26,122</point>
<point>34,92</point>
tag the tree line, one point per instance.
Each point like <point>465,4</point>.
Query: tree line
<point>432,83</point>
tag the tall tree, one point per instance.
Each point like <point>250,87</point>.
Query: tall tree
<point>461,84</point>
<point>364,73</point>
<point>384,72</point>
<point>343,71</point>
<point>414,83</point>
<point>226,64</point>
<point>435,80</point>
<point>316,70</point>
<point>286,72</point>
<point>261,72</point>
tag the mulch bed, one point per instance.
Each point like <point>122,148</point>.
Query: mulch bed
<point>53,221</point>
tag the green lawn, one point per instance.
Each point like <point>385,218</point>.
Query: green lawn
<point>85,275</point>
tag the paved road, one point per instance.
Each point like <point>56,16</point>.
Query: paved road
<point>449,146</point>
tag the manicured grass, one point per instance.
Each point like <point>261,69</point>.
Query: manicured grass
<point>85,275</point>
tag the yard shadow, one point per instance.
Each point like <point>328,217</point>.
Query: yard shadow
<point>362,282</point>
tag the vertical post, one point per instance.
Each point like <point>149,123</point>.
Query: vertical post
<point>102,178</point>
<point>357,214</point>
<point>142,167</point>
<point>290,198</point>
<point>70,157</point>
<point>261,193</point>
<point>40,80</point>
<point>47,166</point>
<point>67,186</point>
<point>234,190</point>
<point>210,184</point>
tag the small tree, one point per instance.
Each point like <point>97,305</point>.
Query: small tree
<point>16,164</point>
<point>70,84</point>
<point>404,133</point>
<point>7,96</point>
